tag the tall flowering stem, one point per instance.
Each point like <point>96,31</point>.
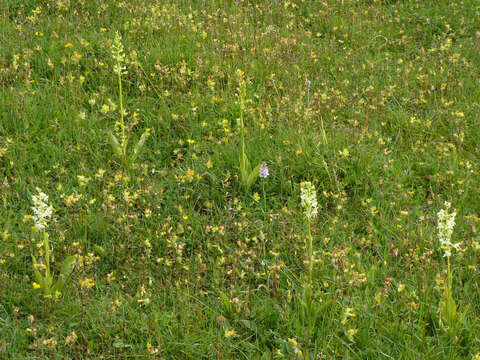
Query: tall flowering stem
<point>120,147</point>
<point>446,223</point>
<point>42,214</point>
<point>119,69</point>
<point>447,306</point>
<point>242,94</point>
<point>308,197</point>
<point>248,176</point>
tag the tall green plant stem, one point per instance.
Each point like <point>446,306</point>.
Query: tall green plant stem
<point>310,253</point>
<point>46,248</point>
<point>449,289</point>
<point>264,198</point>
<point>449,274</point>
<point>242,126</point>
<point>309,287</point>
<point>122,121</point>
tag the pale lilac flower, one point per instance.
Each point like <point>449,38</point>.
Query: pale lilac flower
<point>264,170</point>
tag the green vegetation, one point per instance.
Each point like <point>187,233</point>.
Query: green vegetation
<point>153,234</point>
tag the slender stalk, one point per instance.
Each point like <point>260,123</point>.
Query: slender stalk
<point>122,121</point>
<point>243,168</point>
<point>242,138</point>
<point>264,197</point>
<point>324,134</point>
<point>310,254</point>
<point>242,128</point>
<point>449,294</point>
<point>309,286</point>
<point>448,272</point>
<point>46,248</point>
<point>308,198</point>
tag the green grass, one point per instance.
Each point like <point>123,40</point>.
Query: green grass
<point>194,266</point>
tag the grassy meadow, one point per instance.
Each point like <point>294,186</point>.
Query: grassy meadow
<point>134,223</point>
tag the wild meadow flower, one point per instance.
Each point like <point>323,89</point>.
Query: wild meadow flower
<point>248,175</point>
<point>308,196</point>
<point>351,334</point>
<point>230,333</point>
<point>118,54</point>
<point>263,173</point>
<point>450,319</point>
<point>348,313</point>
<point>294,344</point>
<point>119,68</point>
<point>120,146</point>
<point>42,211</point>
<point>446,223</point>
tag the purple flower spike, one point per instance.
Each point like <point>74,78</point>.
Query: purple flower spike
<point>264,170</point>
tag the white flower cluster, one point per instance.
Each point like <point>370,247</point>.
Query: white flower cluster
<point>41,210</point>
<point>446,223</point>
<point>308,196</point>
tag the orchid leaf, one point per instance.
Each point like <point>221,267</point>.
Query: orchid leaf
<point>117,149</point>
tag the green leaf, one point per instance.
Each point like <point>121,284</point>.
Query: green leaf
<point>99,250</point>
<point>248,166</point>
<point>67,265</point>
<point>254,174</point>
<point>138,148</point>
<point>245,169</point>
<point>37,274</point>
<point>48,278</point>
<point>65,271</point>
<point>48,281</point>
<point>251,325</point>
<point>448,310</point>
<point>243,164</point>
<point>461,318</point>
<point>452,310</point>
<point>226,303</point>
<point>117,149</point>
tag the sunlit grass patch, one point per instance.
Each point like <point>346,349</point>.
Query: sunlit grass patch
<point>183,247</point>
